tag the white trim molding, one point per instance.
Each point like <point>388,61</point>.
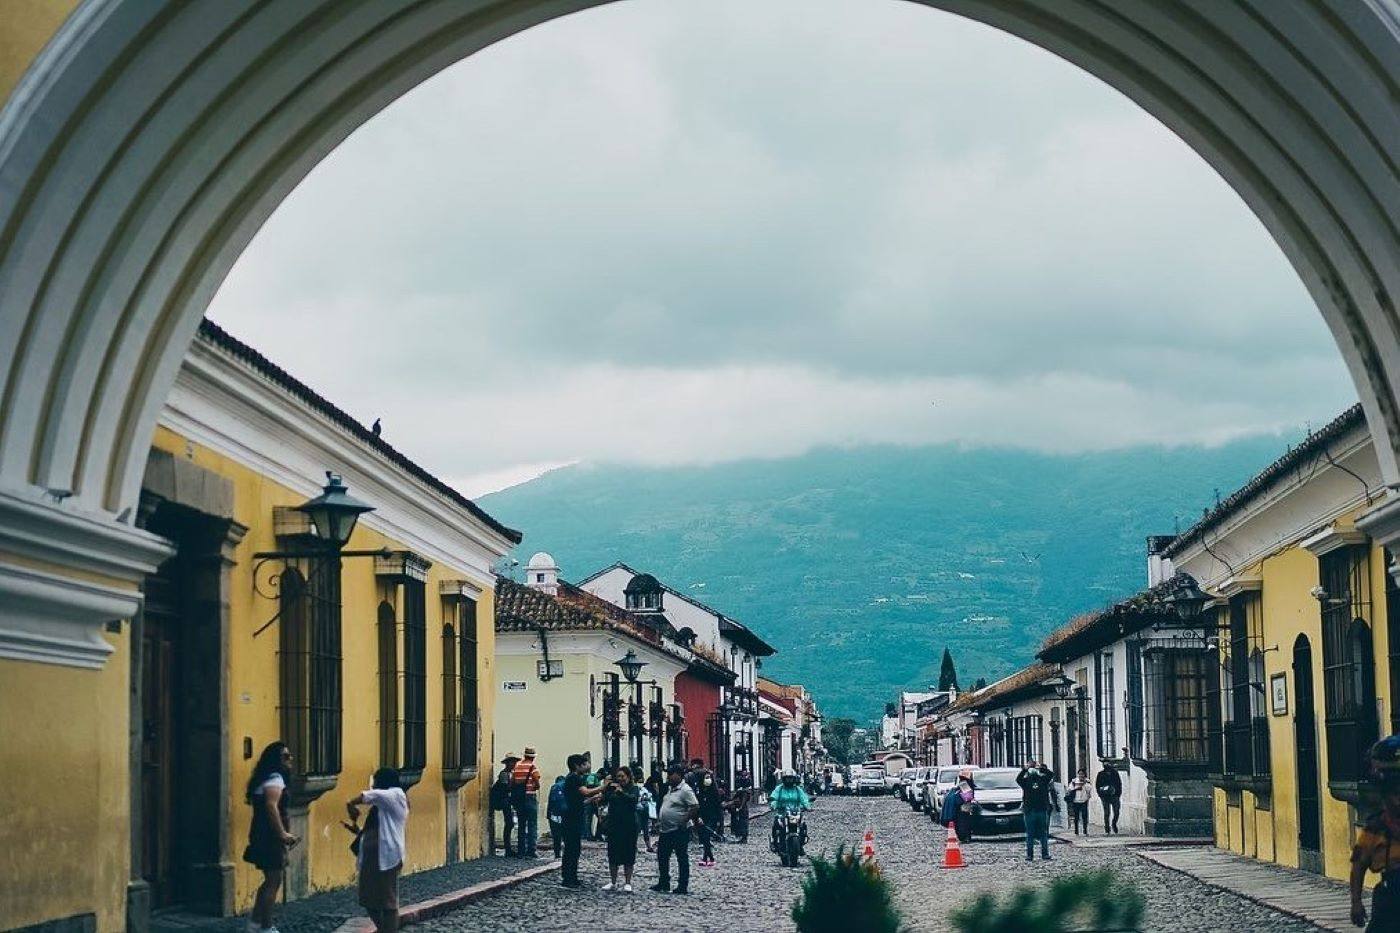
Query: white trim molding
<point>1231,587</point>
<point>54,619</point>
<point>1332,538</point>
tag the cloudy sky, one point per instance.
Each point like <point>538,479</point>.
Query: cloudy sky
<point>671,231</point>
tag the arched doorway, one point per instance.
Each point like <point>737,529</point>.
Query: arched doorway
<point>147,143</point>
<point>1305,748</point>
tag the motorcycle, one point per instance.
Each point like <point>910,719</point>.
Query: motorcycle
<point>789,838</point>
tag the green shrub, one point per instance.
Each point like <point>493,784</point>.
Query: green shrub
<point>1090,900</point>
<point>843,894</point>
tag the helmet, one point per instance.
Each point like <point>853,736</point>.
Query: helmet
<point>789,776</point>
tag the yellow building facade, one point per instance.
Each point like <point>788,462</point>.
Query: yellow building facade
<point>1302,629</point>
<point>249,635</point>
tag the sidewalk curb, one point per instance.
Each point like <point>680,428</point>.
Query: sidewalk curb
<point>437,906</point>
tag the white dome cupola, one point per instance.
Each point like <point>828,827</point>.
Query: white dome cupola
<point>542,574</point>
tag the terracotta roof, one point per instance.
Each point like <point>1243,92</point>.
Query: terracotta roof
<point>1315,443</point>
<point>520,608</point>
<point>738,632</point>
<point>216,335</point>
<point>1024,681</point>
<point>1091,630</point>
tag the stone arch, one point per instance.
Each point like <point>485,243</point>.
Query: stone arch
<point>148,142</point>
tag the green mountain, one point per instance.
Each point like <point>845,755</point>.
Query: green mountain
<point>860,565</point>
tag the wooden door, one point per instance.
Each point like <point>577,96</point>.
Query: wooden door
<point>158,738</point>
<point>1305,741</point>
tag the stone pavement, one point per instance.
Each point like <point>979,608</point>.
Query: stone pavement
<point>1324,901</point>
<point>1101,840</point>
<point>750,891</point>
<point>327,911</point>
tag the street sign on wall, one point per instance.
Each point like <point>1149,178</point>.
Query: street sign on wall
<point>512,685</point>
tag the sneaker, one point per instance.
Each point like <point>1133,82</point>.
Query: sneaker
<point>627,889</point>
<point>608,887</point>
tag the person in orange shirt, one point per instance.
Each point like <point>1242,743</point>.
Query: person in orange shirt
<point>1378,845</point>
<point>525,800</point>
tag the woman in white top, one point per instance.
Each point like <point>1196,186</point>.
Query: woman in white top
<point>1080,790</point>
<point>268,839</point>
<point>380,853</point>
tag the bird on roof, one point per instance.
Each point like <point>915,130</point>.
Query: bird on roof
<point>374,428</point>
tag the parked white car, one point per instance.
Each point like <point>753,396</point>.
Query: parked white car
<point>943,779</point>
<point>906,780</point>
<point>871,779</point>
<point>915,795</point>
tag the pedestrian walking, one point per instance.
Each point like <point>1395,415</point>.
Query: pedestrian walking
<point>1080,790</point>
<point>963,796</point>
<point>625,815</point>
<point>577,795</point>
<point>1036,783</point>
<point>655,788</point>
<point>268,839</point>
<point>379,854</point>
<point>524,800</point>
<point>500,800</point>
<point>711,818</point>
<point>1377,846</point>
<point>738,808</point>
<point>596,780</point>
<point>1109,785</point>
<point>679,808</point>
<point>555,809</point>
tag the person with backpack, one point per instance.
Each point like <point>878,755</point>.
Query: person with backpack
<point>1109,784</point>
<point>500,800</point>
<point>524,800</point>
<point>1079,792</point>
<point>556,810</point>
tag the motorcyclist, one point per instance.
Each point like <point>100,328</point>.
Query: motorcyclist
<point>788,795</point>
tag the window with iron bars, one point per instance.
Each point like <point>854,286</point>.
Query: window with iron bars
<point>1136,702</point>
<point>636,727</point>
<point>460,715</point>
<point>1104,704</point>
<point>1175,715</point>
<point>1348,671</point>
<point>403,688</point>
<point>309,665</point>
<point>1247,725</point>
<point>1025,739</point>
<point>676,733</point>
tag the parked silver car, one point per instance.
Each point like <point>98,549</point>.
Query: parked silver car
<point>996,802</point>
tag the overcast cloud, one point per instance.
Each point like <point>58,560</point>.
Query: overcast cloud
<point>668,231</point>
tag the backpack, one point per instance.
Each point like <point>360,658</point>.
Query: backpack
<point>500,792</point>
<point>558,803</point>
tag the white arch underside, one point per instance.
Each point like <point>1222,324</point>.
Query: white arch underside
<point>151,140</point>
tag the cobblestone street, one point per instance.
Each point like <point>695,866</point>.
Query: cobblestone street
<point>749,890</point>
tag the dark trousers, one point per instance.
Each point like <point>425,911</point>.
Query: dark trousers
<point>527,817</point>
<point>677,842</point>
<point>707,839</point>
<point>1079,816</point>
<point>573,847</point>
<point>508,816</point>
<point>1037,830</point>
<point>556,836</point>
<point>1111,806</point>
<point>962,826</point>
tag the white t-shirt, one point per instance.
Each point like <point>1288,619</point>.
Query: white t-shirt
<point>274,780</point>
<point>393,817</point>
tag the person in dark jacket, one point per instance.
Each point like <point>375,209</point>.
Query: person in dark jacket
<point>1037,800</point>
<point>711,817</point>
<point>500,799</point>
<point>1109,785</point>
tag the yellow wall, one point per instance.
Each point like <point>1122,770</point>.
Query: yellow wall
<point>25,27</point>
<point>253,689</point>
<point>65,845</point>
<point>1289,609</point>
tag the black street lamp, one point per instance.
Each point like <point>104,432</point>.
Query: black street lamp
<point>631,666</point>
<point>334,512</point>
<point>1187,600</point>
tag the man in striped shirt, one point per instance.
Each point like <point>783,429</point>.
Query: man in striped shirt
<point>524,799</point>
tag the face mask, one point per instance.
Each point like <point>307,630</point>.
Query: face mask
<point>708,782</point>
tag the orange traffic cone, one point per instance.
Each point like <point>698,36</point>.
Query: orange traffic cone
<point>952,853</point>
<point>867,845</point>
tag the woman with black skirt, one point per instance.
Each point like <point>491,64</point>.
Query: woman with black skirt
<point>268,839</point>
<point>621,825</point>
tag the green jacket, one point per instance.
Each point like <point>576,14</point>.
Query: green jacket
<point>789,797</point>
